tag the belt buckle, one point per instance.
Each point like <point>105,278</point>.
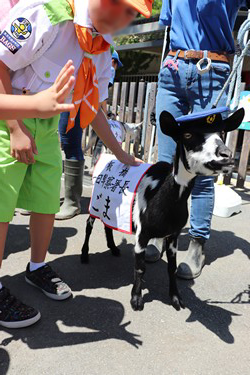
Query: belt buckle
<point>190,54</point>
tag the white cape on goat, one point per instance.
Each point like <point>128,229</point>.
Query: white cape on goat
<point>114,189</point>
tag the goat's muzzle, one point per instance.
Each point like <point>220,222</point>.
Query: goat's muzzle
<point>224,163</point>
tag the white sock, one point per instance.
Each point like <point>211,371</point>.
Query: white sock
<point>34,266</point>
<point>1,285</point>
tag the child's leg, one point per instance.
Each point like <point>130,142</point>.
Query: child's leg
<point>3,235</point>
<point>41,228</point>
<point>38,273</point>
<point>40,194</point>
<point>13,313</point>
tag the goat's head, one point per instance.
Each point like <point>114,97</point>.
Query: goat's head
<point>200,145</point>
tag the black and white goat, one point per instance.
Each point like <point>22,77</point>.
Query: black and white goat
<point>160,209</point>
<point>132,129</point>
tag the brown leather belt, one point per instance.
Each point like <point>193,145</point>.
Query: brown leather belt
<point>198,55</point>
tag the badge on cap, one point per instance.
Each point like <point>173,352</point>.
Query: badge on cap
<point>21,29</point>
<point>210,119</point>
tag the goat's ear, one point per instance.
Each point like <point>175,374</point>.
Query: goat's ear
<point>169,126</point>
<point>234,121</point>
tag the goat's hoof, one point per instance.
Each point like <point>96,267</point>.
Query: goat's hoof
<point>84,258</point>
<point>137,303</point>
<point>177,302</point>
<point>115,251</point>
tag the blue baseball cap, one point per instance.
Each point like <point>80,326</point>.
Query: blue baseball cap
<point>207,116</point>
<point>210,121</point>
<point>115,56</point>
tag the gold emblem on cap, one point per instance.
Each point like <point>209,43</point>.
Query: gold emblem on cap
<point>210,119</point>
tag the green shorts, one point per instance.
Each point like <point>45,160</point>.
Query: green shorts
<point>32,187</point>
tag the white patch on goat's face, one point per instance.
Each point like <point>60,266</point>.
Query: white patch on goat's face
<point>197,160</point>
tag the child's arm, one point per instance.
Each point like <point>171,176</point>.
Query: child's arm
<point>102,129</point>
<point>46,104</point>
<point>22,144</point>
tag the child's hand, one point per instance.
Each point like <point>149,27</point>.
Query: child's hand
<point>22,145</point>
<point>129,159</point>
<point>51,102</point>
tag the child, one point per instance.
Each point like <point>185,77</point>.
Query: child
<point>45,104</point>
<point>39,37</point>
<point>71,143</point>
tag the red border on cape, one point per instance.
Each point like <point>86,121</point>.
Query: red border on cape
<point>131,206</point>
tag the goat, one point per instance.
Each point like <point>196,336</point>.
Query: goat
<point>125,128</point>
<point>160,209</point>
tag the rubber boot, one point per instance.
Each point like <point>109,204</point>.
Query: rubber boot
<point>73,178</point>
<point>192,265</point>
<point>153,250</point>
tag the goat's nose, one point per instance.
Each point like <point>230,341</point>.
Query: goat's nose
<point>224,152</point>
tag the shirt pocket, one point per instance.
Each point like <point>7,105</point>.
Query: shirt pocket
<point>46,70</point>
<point>38,76</point>
<point>23,78</point>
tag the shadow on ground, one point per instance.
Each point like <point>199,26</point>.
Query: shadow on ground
<point>4,361</point>
<point>221,244</point>
<point>96,319</point>
<point>244,193</point>
<point>18,239</point>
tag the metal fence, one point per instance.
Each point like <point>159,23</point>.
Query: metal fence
<point>133,101</point>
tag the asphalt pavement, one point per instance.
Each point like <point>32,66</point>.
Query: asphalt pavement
<point>97,333</point>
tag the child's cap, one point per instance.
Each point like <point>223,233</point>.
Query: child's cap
<point>116,57</point>
<point>142,6</point>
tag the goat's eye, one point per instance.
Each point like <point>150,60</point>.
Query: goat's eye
<point>187,135</point>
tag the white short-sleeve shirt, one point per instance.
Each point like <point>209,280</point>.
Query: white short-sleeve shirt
<point>35,50</point>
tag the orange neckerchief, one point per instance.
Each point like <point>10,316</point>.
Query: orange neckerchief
<point>86,92</point>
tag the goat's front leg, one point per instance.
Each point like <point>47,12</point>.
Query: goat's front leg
<point>171,244</point>
<point>85,248</point>
<point>140,268</point>
<point>111,243</point>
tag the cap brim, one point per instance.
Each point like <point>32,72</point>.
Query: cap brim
<point>142,6</point>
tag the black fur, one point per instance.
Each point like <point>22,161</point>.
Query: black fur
<point>166,212</point>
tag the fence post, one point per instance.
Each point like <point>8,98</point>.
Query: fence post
<point>115,97</point>
<point>232,146</point>
<point>145,119</point>
<point>156,148</point>
<point>242,170</point>
<point>130,117</point>
<point>151,104</point>
<point>124,92</point>
<point>139,114</point>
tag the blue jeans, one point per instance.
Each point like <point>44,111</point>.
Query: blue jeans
<point>180,92</point>
<point>72,141</point>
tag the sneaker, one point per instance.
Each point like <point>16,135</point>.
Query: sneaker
<point>48,282</point>
<point>24,212</point>
<point>14,313</point>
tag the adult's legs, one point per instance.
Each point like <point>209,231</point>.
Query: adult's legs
<point>171,97</point>
<point>73,167</point>
<point>72,141</point>
<point>202,92</point>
